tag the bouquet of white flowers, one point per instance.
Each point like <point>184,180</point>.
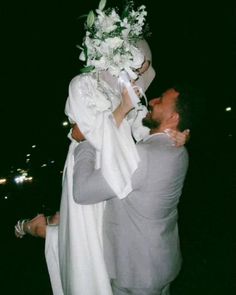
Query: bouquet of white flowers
<point>109,43</point>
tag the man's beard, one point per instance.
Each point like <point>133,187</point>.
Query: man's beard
<point>150,123</point>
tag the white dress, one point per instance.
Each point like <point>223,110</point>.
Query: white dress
<point>77,267</point>
<point>74,253</point>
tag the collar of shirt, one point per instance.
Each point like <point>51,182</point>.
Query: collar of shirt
<point>152,135</point>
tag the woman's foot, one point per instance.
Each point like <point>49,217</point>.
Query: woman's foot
<point>53,219</point>
<point>35,227</point>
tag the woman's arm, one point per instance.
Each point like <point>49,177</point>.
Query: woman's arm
<point>123,109</point>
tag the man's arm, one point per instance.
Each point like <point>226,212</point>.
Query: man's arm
<point>89,186</point>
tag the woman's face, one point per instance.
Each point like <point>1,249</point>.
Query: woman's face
<point>144,67</point>
<point>146,74</point>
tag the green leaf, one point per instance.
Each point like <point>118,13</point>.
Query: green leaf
<point>87,69</point>
<point>82,16</point>
<point>102,4</point>
<point>90,19</point>
<point>79,47</point>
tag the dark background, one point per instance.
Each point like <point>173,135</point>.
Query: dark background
<point>192,41</point>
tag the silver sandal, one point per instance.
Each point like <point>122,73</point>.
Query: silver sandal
<point>19,228</point>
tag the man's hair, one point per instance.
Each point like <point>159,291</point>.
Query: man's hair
<point>184,106</point>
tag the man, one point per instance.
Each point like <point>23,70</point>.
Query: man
<point>141,242</point>
<point>140,232</point>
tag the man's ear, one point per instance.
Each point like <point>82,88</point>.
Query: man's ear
<point>173,120</point>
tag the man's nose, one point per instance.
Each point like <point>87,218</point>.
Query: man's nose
<point>154,101</point>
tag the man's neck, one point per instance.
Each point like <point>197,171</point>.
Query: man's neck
<point>160,129</point>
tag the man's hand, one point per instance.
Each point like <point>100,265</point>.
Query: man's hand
<point>77,134</point>
<point>180,138</point>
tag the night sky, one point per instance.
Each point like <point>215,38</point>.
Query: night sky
<point>193,40</point>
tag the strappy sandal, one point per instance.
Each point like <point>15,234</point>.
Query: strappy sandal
<point>19,227</point>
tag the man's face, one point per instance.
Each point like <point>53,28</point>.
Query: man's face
<point>161,109</point>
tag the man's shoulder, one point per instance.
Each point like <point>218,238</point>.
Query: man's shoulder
<point>160,141</point>
<point>161,145</point>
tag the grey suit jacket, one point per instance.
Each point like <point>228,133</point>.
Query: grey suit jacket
<point>141,242</point>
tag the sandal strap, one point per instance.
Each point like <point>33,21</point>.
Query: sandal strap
<point>19,227</point>
<point>48,221</point>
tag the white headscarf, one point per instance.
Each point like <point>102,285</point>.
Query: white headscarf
<point>144,80</point>
<point>135,116</point>
<point>147,77</point>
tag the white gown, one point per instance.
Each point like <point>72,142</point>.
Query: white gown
<point>74,250</point>
<point>82,266</point>
<point>80,251</point>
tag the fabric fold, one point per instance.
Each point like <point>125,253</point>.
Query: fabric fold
<point>117,156</point>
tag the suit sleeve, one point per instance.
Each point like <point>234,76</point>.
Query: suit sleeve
<point>89,185</point>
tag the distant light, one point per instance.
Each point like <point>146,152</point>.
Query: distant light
<point>6,197</point>
<point>23,178</point>
<point>228,109</point>
<point>52,162</point>
<point>19,179</point>
<point>29,178</point>
<point>27,160</point>
<point>3,180</point>
<point>34,146</point>
<point>65,123</point>
<point>28,155</point>
<point>44,165</point>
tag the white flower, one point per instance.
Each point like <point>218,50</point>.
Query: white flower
<point>127,28</point>
<point>117,59</point>
<point>114,70</point>
<point>100,64</point>
<point>113,43</point>
<point>109,43</point>
<point>106,23</point>
<point>82,56</point>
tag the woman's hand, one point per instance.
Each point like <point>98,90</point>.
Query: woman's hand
<point>180,138</point>
<point>126,102</point>
<point>77,134</point>
<point>124,108</point>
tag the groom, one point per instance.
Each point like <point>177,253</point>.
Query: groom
<point>140,231</point>
<point>141,241</point>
